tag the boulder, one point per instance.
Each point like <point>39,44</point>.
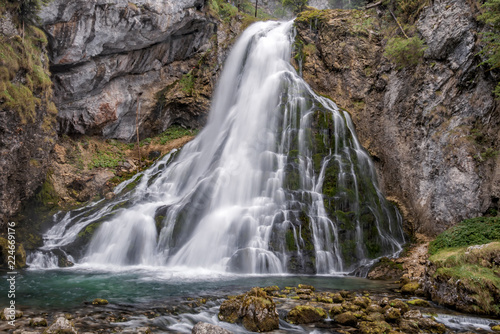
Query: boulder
<point>305,314</point>
<point>61,326</point>
<point>346,319</point>
<point>254,309</point>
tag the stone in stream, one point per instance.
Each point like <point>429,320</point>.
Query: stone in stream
<point>206,328</point>
<point>254,309</point>
<point>305,314</point>
<point>61,325</point>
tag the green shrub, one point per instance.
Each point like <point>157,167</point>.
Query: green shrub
<point>187,83</point>
<point>405,52</point>
<point>475,231</point>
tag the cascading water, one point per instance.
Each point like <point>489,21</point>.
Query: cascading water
<point>276,182</point>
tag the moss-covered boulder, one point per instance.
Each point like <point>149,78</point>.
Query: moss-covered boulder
<point>337,298</point>
<point>410,288</point>
<point>362,302</point>
<point>377,327</point>
<point>392,314</point>
<point>336,309</point>
<point>374,308</point>
<point>305,314</point>
<point>254,309</point>
<point>347,319</point>
<point>100,301</point>
<point>399,304</point>
<point>375,316</point>
<point>9,314</point>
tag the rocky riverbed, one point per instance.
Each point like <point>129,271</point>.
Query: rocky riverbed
<point>296,309</point>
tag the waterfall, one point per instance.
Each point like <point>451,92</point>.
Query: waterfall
<point>276,182</point>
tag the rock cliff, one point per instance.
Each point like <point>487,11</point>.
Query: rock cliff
<point>110,58</point>
<point>27,114</point>
<point>433,129</point>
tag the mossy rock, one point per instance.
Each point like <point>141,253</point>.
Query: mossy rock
<point>254,309</point>
<point>392,314</point>
<point>305,286</point>
<point>337,297</point>
<point>374,308</point>
<point>336,309</point>
<point>410,288</point>
<point>100,301</point>
<point>399,304</point>
<point>362,302</point>
<point>418,302</point>
<point>375,316</point>
<point>347,319</point>
<point>496,328</point>
<point>377,327</point>
<point>305,314</point>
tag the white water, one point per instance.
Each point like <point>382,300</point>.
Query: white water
<point>223,204</point>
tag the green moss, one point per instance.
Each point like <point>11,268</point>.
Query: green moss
<point>291,245</point>
<point>47,196</point>
<point>305,231</point>
<point>175,132</point>
<point>475,231</point>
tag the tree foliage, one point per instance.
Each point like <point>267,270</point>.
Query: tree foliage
<point>491,16</point>
<point>295,5</point>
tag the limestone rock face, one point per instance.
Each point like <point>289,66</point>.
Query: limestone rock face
<point>432,129</point>
<point>109,59</point>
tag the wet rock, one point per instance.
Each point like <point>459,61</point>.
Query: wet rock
<point>304,291</point>
<point>336,309</point>
<point>410,288</point>
<point>374,308</point>
<point>206,328</point>
<point>377,327</point>
<point>349,306</point>
<point>307,287</point>
<point>255,310</point>
<point>38,322</point>
<point>61,325</point>
<point>109,195</point>
<point>346,319</point>
<point>9,314</point>
<point>392,314</point>
<point>362,302</point>
<point>100,301</point>
<point>324,298</point>
<point>305,314</point>
<point>419,302</point>
<point>375,316</point>
<point>431,326</point>
<point>399,304</point>
<point>337,297</point>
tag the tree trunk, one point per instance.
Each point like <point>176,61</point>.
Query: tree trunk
<point>256,5</point>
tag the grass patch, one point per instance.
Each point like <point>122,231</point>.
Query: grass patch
<point>405,52</point>
<point>475,231</point>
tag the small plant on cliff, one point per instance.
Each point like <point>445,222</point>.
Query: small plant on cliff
<point>475,231</point>
<point>405,52</point>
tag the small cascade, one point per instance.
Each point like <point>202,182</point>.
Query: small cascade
<point>277,182</point>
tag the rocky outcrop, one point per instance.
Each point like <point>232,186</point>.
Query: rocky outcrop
<point>109,59</point>
<point>432,129</point>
